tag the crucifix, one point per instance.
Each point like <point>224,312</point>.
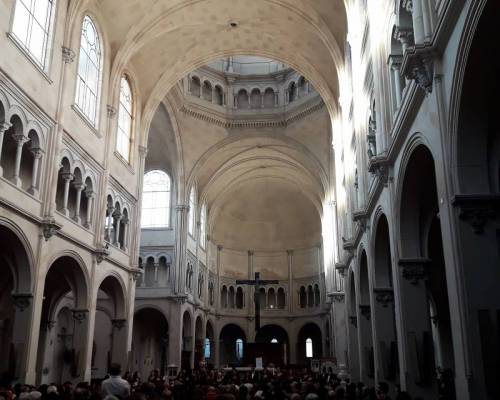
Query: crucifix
<point>257,282</point>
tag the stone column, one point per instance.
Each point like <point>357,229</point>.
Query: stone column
<point>289,297</point>
<point>119,350</point>
<point>262,100</point>
<point>82,344</point>
<point>216,348</point>
<point>110,209</point>
<point>117,216</point>
<point>383,315</point>
<point>4,126</point>
<point>79,187</point>
<point>219,305</point>
<point>67,177</point>
<point>396,73</point>
<point>415,7</point>
<point>339,329</point>
<point>416,320</point>
<point>23,304</point>
<point>37,155</point>
<point>250,302</point>
<point>126,223</point>
<point>180,247</point>
<point>20,140</point>
<point>427,18</point>
<point>90,204</point>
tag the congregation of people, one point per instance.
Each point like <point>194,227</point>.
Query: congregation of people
<point>204,384</point>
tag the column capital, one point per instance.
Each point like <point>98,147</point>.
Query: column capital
<point>37,152</point>
<point>219,247</point>
<point>20,138</point>
<point>79,186</point>
<point>111,111</point>
<point>117,214</point>
<point>250,252</point>
<point>384,296</point>
<point>353,320</point>
<point>414,269</point>
<point>365,310</point>
<point>67,176</point>
<point>90,193</point>
<point>4,126</point>
<point>68,55</point>
<point>338,297</point>
<point>118,323</point>
<point>143,151</point>
<point>289,252</point>
<point>80,315</point>
<point>182,208</point>
<point>22,300</point>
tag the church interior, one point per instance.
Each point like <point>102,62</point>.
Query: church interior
<point>216,184</point>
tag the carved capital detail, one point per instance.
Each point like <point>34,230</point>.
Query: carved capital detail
<point>68,55</point>
<point>341,268</point>
<point>419,66</point>
<point>136,273</point>
<point>50,227</point>
<point>111,111</point>
<point>384,296</point>
<point>365,310</point>
<point>379,166</point>
<point>338,297</point>
<point>118,323</point>
<point>22,300</point>
<point>80,315</point>
<point>414,270</point>
<point>477,210</point>
<point>101,253</point>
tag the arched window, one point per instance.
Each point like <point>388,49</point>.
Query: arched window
<point>89,72</point>
<point>156,200</point>
<point>192,212</point>
<point>32,27</point>
<point>207,348</point>
<point>274,340</point>
<point>239,349</point>
<point>309,348</point>
<point>203,226</point>
<point>124,134</point>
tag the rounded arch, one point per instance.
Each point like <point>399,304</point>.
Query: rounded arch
<point>310,331</point>
<point>112,284</point>
<point>17,254</point>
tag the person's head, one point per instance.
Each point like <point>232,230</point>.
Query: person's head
<point>382,390</point>
<point>51,389</point>
<point>115,369</point>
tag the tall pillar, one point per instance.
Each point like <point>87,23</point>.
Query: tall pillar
<point>250,301</point>
<point>82,343</point>
<point>79,189</point>
<point>126,223</point>
<point>180,247</point>
<point>20,140</point>
<point>219,250</point>
<point>117,216</point>
<point>4,126</point>
<point>37,156</point>
<point>110,210</point>
<point>289,297</point>
<point>90,204</point>
<point>427,20</point>
<point>67,177</point>
<point>119,349</point>
<point>20,334</point>
<point>339,329</point>
<point>383,316</point>
<point>416,319</point>
<point>415,7</point>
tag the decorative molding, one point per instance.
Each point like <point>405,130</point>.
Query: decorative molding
<point>271,120</point>
<point>338,297</point>
<point>118,323</point>
<point>50,227</point>
<point>365,310</point>
<point>477,209</point>
<point>384,296</point>
<point>379,166</point>
<point>68,55</point>
<point>101,253</point>
<point>414,269</point>
<point>22,300</point>
<point>361,217</point>
<point>137,272</point>
<point>80,315</point>
<point>341,268</point>
<point>418,65</point>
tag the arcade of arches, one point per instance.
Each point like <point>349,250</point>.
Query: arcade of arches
<point>346,150</point>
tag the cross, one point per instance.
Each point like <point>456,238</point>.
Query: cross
<point>257,282</point>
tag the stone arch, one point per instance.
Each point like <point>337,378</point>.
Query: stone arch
<point>150,339</point>
<point>207,90</point>
<point>229,334</point>
<point>255,98</point>
<point>309,331</point>
<point>187,339</point>
<point>242,99</point>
